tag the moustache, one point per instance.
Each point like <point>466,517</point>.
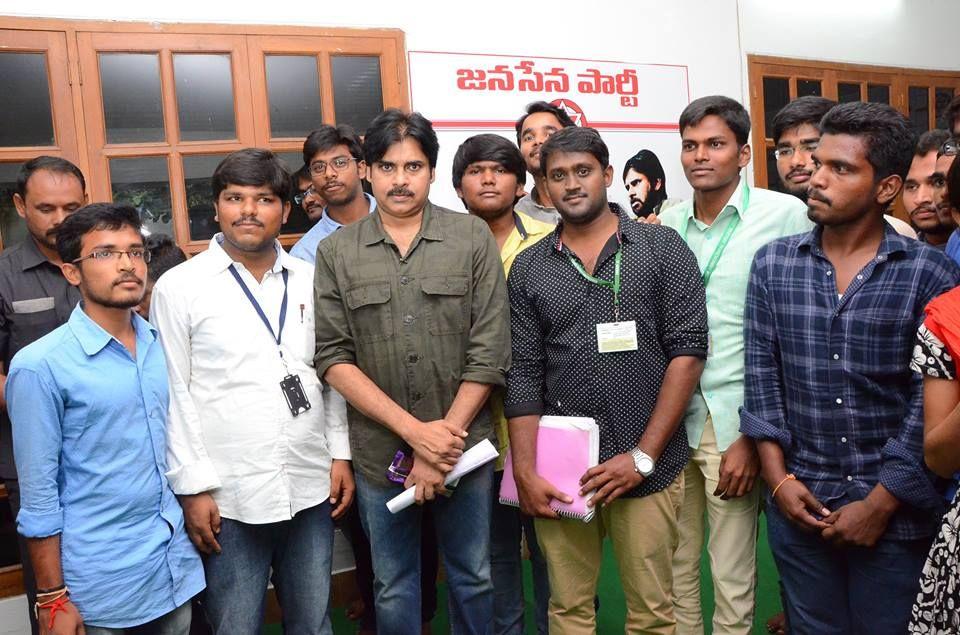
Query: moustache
<point>399,191</point>
<point>793,173</point>
<point>924,208</point>
<point>243,220</point>
<point>815,195</point>
<point>128,278</point>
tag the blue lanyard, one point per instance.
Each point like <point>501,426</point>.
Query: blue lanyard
<point>256,305</point>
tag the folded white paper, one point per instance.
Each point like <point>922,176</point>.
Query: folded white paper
<point>480,454</point>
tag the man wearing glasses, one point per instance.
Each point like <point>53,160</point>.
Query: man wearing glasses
<point>334,157</point>
<point>88,404</point>
<point>796,133</point>
<point>307,198</point>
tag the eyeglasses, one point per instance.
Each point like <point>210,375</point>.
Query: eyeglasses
<point>319,168</point>
<point>787,151</point>
<point>103,255</point>
<point>299,198</point>
<point>949,148</point>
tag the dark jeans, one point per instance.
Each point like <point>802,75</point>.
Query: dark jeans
<point>845,590</point>
<point>462,523</point>
<point>29,582</point>
<point>298,550</point>
<point>176,622</point>
<point>507,526</point>
<point>429,563</point>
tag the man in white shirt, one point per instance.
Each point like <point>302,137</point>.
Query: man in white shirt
<point>258,447</point>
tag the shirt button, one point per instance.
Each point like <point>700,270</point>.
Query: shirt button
<point>417,396</point>
<point>859,277</point>
<point>849,478</point>
<point>829,273</point>
<point>408,319</point>
<point>843,439</point>
<point>835,356</point>
<point>404,280</point>
<point>839,400</point>
<point>413,358</point>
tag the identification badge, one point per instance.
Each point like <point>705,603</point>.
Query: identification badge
<point>616,337</point>
<point>293,392</point>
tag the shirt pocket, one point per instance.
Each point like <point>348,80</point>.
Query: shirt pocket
<point>370,311</point>
<point>446,304</point>
<point>31,320</point>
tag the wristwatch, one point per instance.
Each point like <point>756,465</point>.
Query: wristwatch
<point>642,462</point>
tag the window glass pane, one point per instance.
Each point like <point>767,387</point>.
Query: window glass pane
<point>25,115</point>
<point>878,93</point>
<point>942,99</point>
<point>917,97</point>
<point>776,95</point>
<point>293,88</point>
<point>848,92</point>
<point>773,177</point>
<point>12,228</point>
<point>807,87</point>
<point>132,106</point>
<point>297,222</point>
<point>204,96</point>
<point>197,170</point>
<point>356,90</point>
<point>144,183</point>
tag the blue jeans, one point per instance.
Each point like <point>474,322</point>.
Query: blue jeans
<point>298,550</point>
<point>507,525</point>
<point>845,590</point>
<point>176,622</point>
<point>462,523</point>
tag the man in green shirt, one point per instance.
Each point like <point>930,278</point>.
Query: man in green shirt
<point>724,225</point>
<point>412,328</point>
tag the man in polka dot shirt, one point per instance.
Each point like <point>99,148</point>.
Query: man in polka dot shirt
<point>608,320</point>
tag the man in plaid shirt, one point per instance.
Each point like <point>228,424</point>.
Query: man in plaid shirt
<point>836,412</point>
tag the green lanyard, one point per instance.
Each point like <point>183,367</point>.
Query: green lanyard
<point>614,285</point>
<point>724,239</point>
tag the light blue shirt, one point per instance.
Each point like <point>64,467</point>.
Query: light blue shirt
<point>306,247</point>
<point>89,435</point>
<point>953,246</point>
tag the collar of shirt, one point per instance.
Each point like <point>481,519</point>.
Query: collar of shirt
<point>30,255</point>
<point>892,243</point>
<point>735,203</point>
<point>627,229</point>
<point>329,225</point>
<point>372,231</point>
<point>93,338</point>
<point>220,259</point>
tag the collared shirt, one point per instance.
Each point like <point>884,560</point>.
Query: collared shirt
<point>35,298</point>
<point>901,227</point>
<point>231,430</point>
<point>89,435</point>
<point>306,247</point>
<point>526,232</point>
<point>416,325</point>
<point>953,246</point>
<point>829,379</point>
<point>770,215</point>
<point>529,206</point>
<point>554,312</point>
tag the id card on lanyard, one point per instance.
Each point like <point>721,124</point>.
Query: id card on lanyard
<point>291,385</point>
<point>616,336</point>
<point>721,246</point>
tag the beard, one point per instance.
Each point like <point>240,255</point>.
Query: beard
<point>111,302</point>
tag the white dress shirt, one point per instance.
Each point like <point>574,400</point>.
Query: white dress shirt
<point>230,431</point>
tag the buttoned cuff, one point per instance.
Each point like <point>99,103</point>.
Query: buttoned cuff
<point>339,446</point>
<point>340,358</point>
<point>761,430</point>
<point>906,479</point>
<point>34,524</point>
<point>700,353</point>
<point>523,409</point>
<point>484,375</point>
<point>195,478</point>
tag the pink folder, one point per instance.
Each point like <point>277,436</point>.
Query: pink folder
<point>566,448</point>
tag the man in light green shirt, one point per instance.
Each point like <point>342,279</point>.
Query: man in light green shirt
<point>724,224</point>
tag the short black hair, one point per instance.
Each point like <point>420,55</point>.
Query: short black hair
<point>542,106</point>
<point>50,164</point>
<point>953,185</point>
<point>730,110</point>
<point>252,166</point>
<point>164,255</point>
<point>326,137</point>
<point>647,163</point>
<point>889,137</point>
<point>575,139</point>
<point>808,109</point>
<point>93,217</point>
<point>488,147</point>
<point>393,126</point>
<point>952,113</point>
<point>930,141</point>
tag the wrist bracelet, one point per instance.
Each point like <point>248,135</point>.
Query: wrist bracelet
<point>55,589</point>
<point>788,477</point>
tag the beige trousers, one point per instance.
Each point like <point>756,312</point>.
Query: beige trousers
<point>644,536</point>
<point>732,547</point>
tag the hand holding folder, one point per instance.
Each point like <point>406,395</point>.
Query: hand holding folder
<point>566,448</point>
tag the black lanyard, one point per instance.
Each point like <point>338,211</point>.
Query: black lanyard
<point>256,305</point>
